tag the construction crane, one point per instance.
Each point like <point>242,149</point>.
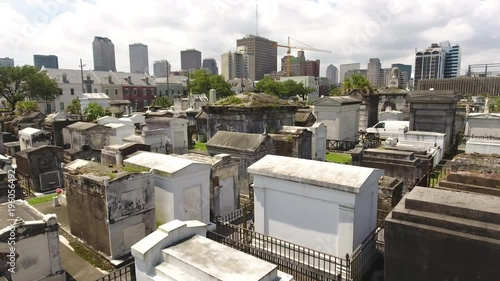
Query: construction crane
<point>289,53</point>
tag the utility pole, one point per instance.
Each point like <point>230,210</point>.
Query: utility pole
<point>168,84</point>
<point>81,71</point>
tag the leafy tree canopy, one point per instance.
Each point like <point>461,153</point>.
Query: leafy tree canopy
<point>21,82</point>
<point>286,89</point>
<point>335,90</point>
<point>26,107</point>
<point>201,82</point>
<point>162,102</point>
<point>357,82</point>
<point>74,107</point>
<point>93,112</point>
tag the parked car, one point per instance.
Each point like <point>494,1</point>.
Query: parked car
<point>387,129</point>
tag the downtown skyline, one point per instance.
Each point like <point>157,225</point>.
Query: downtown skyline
<point>389,30</point>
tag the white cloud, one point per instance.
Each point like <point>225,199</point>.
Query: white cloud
<point>354,30</point>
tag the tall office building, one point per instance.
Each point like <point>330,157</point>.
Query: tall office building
<point>161,68</point>
<point>190,59</point>
<point>347,67</point>
<point>249,62</point>
<point>405,74</point>
<point>312,68</point>
<point>8,62</point>
<point>429,63</point>
<point>233,65</point>
<point>374,73</point>
<point>139,61</point>
<point>453,60</point>
<point>351,72</point>
<point>104,54</point>
<point>264,52</point>
<point>211,64</point>
<point>332,74</point>
<point>49,61</point>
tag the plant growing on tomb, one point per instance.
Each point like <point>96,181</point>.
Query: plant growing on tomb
<point>74,107</point>
<point>26,107</point>
<point>93,112</point>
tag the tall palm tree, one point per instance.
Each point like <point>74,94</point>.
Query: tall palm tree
<point>357,82</point>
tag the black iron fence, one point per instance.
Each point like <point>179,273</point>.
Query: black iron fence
<point>125,273</point>
<point>240,216</point>
<point>303,263</point>
<point>365,256</point>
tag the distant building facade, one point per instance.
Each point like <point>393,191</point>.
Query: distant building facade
<point>344,68</point>
<point>463,85</point>
<point>349,73</point>
<point>49,61</point>
<point>374,73</point>
<point>139,61</point>
<point>7,62</point>
<point>233,65</point>
<point>453,60</point>
<point>430,63</point>
<point>332,73</point>
<point>162,68</point>
<point>104,54</point>
<point>190,59</point>
<point>265,53</point>
<point>211,64</point>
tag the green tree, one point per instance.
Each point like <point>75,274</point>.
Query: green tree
<point>357,82</point>
<point>21,82</point>
<point>201,82</point>
<point>162,102</point>
<point>269,86</point>
<point>93,112</point>
<point>26,107</point>
<point>286,89</point>
<point>219,84</point>
<point>292,88</point>
<point>335,90</point>
<point>74,107</point>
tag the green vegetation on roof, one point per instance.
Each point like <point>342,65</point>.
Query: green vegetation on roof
<point>41,199</point>
<point>339,158</point>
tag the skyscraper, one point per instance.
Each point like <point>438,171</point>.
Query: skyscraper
<point>104,54</point>
<point>264,52</point>
<point>453,60</point>
<point>161,68</point>
<point>312,68</point>
<point>8,62</point>
<point>49,61</point>
<point>233,65</point>
<point>332,74</point>
<point>139,61</point>
<point>211,64</point>
<point>346,67</point>
<point>429,63</point>
<point>190,59</point>
<point>374,73</point>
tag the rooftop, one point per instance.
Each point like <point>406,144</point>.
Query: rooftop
<point>329,175</point>
<point>339,100</point>
<point>167,164</point>
<point>235,140</point>
<point>220,261</point>
<point>81,126</point>
<point>94,96</point>
<point>29,131</point>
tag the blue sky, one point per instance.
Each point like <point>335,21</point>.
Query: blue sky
<point>353,30</point>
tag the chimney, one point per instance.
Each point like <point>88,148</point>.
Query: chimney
<point>65,78</point>
<point>110,79</point>
<point>146,79</point>
<point>129,80</point>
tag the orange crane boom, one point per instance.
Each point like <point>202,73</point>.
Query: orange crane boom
<point>289,55</point>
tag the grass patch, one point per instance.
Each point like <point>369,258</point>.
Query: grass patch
<point>88,254</point>
<point>200,146</point>
<point>232,100</point>
<point>339,158</point>
<point>41,199</point>
<point>135,169</point>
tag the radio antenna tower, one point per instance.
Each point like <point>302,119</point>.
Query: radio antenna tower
<point>256,18</point>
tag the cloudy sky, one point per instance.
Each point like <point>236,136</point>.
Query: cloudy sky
<point>353,30</point>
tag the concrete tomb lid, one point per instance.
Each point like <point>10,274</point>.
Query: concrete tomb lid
<point>323,174</point>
